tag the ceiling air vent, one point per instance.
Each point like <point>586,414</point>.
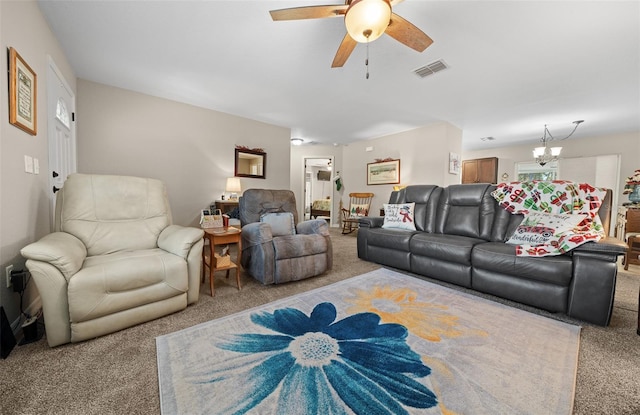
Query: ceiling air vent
<point>431,68</point>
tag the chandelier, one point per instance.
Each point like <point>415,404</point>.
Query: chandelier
<point>545,154</point>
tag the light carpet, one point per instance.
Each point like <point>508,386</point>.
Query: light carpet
<point>381,342</point>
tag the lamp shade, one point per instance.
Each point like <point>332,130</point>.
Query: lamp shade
<point>366,20</point>
<point>233,185</point>
<point>539,151</point>
<point>555,151</point>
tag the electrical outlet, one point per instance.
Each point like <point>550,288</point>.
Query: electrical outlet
<point>8,270</point>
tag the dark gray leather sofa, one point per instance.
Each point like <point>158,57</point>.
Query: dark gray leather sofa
<point>460,238</point>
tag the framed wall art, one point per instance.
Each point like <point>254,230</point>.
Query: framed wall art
<point>23,94</point>
<point>383,172</point>
<point>454,163</point>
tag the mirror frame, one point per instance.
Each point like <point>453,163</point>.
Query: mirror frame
<point>254,153</point>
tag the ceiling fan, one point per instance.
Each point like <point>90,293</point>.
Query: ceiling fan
<point>365,20</point>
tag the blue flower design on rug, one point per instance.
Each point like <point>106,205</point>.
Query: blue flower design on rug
<point>315,365</point>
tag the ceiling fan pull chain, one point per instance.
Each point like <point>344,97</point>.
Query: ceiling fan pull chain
<point>366,62</point>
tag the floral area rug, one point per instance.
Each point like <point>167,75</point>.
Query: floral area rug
<point>379,343</point>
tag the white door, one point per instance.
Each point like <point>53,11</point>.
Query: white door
<point>61,107</point>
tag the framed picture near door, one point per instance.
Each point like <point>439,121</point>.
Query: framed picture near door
<point>23,94</point>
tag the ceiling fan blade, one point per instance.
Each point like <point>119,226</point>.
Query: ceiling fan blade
<point>344,51</point>
<point>406,33</point>
<point>311,12</point>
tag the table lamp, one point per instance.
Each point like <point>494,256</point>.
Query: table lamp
<point>233,187</point>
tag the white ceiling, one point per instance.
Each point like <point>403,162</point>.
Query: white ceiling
<point>513,65</point>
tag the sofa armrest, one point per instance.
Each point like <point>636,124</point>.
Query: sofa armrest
<point>179,239</point>
<point>594,280</point>
<point>255,233</point>
<point>60,249</point>
<point>593,287</point>
<point>194,267</point>
<point>371,221</point>
<point>258,254</point>
<point>607,246</point>
<point>313,227</point>
<point>53,288</point>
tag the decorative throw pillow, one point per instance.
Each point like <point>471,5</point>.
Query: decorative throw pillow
<point>540,228</point>
<point>399,216</point>
<point>358,210</point>
<point>281,223</point>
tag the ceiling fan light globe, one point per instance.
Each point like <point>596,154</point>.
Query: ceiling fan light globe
<point>366,20</point>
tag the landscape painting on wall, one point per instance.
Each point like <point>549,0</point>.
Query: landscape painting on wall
<point>383,172</point>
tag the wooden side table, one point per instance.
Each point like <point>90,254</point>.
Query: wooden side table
<point>216,237</point>
<point>632,256</point>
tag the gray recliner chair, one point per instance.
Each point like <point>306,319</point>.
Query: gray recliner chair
<point>275,247</point>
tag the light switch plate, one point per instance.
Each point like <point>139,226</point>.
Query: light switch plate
<point>28,164</point>
<point>36,166</point>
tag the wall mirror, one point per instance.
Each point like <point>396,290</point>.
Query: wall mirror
<point>251,163</point>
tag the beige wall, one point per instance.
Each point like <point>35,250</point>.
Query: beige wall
<point>191,149</point>
<point>424,159</point>
<point>24,208</point>
<point>423,153</point>
<point>625,145</point>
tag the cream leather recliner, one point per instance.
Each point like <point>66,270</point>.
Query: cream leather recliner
<point>114,260</point>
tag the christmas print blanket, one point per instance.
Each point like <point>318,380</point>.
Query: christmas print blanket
<point>559,215</point>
